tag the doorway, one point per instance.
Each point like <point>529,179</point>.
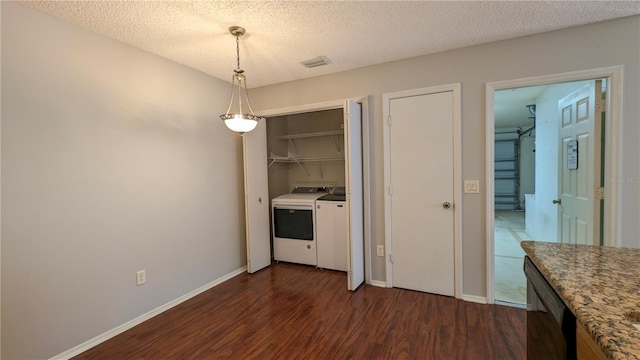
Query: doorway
<point>535,213</point>
<point>526,168</point>
<point>351,155</point>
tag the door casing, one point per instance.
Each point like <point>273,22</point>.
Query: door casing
<point>612,152</point>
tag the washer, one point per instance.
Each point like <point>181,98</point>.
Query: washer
<point>294,225</point>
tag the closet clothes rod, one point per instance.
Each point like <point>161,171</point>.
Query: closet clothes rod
<point>303,159</point>
<point>308,135</point>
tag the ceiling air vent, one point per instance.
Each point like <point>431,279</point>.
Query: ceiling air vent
<point>317,61</point>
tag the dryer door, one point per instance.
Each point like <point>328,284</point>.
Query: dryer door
<point>292,223</point>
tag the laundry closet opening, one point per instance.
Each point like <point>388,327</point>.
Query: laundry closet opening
<point>314,183</point>
<point>307,167</point>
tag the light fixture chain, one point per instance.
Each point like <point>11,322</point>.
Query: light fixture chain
<point>238,50</point>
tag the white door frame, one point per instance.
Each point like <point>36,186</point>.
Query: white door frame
<point>612,151</point>
<point>457,183</point>
<point>366,160</point>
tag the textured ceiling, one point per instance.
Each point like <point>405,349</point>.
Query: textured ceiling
<point>281,34</point>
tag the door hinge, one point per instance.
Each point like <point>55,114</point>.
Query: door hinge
<point>391,258</point>
<point>389,120</point>
<point>601,106</point>
<point>600,193</point>
<point>390,190</point>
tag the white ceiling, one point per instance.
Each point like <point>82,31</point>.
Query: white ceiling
<point>281,34</point>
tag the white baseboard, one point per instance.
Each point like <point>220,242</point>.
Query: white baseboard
<point>377,283</point>
<point>475,299</point>
<point>144,317</point>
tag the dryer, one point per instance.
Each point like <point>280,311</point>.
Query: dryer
<point>294,225</point>
<point>332,230</point>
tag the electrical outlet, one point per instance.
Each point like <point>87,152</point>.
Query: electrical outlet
<point>380,250</point>
<point>141,277</point>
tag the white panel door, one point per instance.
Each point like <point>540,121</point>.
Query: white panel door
<point>421,138</point>
<point>353,182</point>
<point>579,217</point>
<point>256,192</point>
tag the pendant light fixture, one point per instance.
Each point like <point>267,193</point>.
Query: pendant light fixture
<point>239,121</point>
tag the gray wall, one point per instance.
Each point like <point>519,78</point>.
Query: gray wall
<point>592,46</point>
<point>113,160</point>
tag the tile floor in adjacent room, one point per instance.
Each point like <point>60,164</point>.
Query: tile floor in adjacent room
<point>510,282</point>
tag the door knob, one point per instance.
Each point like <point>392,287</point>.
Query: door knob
<point>557,201</point>
<point>446,204</point>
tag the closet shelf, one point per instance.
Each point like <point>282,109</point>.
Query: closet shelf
<point>297,159</point>
<point>309,135</point>
<point>307,159</point>
<point>292,158</point>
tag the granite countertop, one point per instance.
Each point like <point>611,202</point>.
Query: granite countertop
<point>601,286</point>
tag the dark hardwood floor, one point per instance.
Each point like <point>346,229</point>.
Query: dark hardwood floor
<point>292,311</point>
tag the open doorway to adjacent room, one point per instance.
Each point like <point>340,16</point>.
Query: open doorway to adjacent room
<point>532,176</point>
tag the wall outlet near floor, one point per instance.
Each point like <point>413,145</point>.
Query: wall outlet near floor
<point>141,277</point>
<point>380,250</point>
<point>472,187</point>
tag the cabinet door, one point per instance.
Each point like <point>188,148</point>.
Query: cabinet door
<point>353,174</point>
<point>256,193</point>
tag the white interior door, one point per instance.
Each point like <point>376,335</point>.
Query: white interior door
<point>579,141</point>
<point>256,192</point>
<point>353,183</point>
<point>421,175</point>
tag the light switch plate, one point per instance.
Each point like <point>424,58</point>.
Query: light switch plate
<point>472,187</point>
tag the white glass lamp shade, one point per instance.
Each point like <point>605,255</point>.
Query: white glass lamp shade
<point>240,123</point>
